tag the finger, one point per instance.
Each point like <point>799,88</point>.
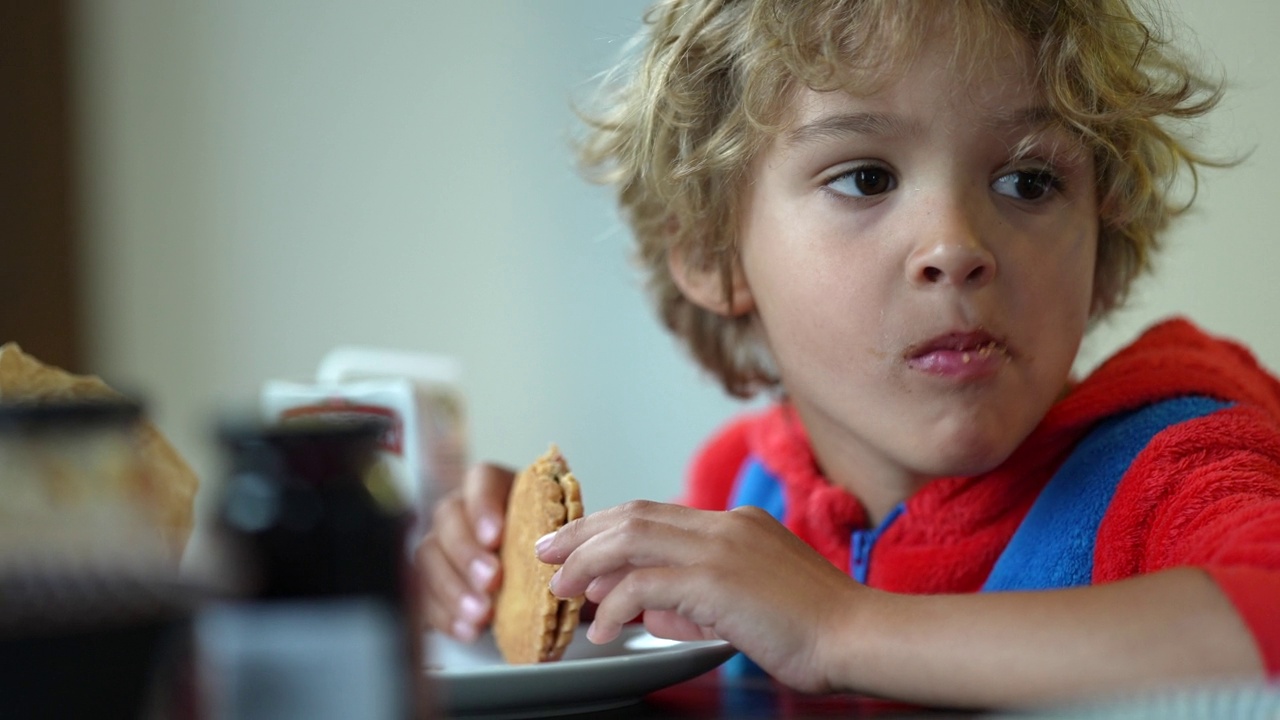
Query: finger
<point>635,542</point>
<point>672,625</point>
<point>555,547</point>
<point>603,585</point>
<point>485,492</point>
<point>598,590</point>
<point>451,606</point>
<point>453,533</point>
<point>642,590</point>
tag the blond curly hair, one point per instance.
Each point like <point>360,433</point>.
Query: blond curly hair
<point>707,85</point>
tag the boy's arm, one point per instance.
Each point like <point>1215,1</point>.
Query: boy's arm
<point>743,577</point>
<point>1024,648</point>
<point>1207,604</point>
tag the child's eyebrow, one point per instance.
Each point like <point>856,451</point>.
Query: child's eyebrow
<point>840,125</point>
<point>844,124</point>
<point>1035,117</point>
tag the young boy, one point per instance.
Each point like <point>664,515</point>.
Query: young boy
<point>903,216</point>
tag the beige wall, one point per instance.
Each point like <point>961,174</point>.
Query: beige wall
<point>267,180</point>
<point>1218,264</point>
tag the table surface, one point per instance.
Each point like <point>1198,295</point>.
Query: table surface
<point>714,695</point>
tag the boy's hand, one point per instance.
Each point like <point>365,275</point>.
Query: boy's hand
<point>739,576</point>
<point>458,558</point>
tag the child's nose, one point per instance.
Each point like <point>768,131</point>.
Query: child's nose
<point>954,255</point>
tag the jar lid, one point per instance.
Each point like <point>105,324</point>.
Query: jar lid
<point>57,414</point>
<point>311,450</point>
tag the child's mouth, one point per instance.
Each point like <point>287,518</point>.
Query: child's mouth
<point>963,356</point>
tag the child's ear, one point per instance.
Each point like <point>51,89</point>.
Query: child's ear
<point>704,285</point>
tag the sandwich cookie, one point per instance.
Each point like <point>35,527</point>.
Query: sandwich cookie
<point>530,624</point>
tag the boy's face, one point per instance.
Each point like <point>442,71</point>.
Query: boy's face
<point>923,288</point>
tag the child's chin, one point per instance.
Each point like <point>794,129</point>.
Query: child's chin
<point>964,459</point>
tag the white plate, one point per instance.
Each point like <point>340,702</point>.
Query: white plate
<point>474,679</point>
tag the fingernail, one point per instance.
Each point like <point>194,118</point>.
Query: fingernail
<point>464,630</point>
<point>473,608</point>
<point>555,578</point>
<point>487,530</point>
<point>543,543</point>
<point>481,573</point>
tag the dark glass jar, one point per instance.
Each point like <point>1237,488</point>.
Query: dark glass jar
<point>89,596</point>
<point>72,488</point>
<point>322,623</point>
<point>311,513</point>
<point>67,454</point>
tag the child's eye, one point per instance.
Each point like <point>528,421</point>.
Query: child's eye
<point>1027,184</point>
<point>863,181</point>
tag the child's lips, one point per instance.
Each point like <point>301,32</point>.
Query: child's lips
<point>960,355</point>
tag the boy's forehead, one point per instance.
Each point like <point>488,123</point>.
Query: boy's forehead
<point>863,58</point>
<point>998,85</point>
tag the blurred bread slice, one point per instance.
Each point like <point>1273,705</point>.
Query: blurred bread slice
<point>167,483</point>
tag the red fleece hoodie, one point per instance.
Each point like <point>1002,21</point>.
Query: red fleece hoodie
<point>1204,493</point>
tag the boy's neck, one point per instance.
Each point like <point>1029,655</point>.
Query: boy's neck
<point>878,500</point>
<point>878,486</point>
